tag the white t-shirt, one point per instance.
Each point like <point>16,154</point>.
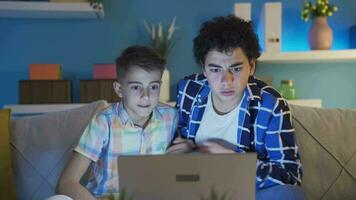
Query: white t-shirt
<point>213,125</point>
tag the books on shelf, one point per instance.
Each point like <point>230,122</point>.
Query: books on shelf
<point>272,26</point>
<point>45,91</point>
<point>45,72</point>
<point>243,10</point>
<point>93,90</point>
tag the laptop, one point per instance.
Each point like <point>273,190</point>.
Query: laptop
<point>188,176</point>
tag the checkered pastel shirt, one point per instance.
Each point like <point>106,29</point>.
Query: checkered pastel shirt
<point>111,133</point>
<point>264,126</point>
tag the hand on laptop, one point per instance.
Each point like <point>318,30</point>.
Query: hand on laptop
<point>103,198</point>
<point>180,145</point>
<point>216,146</point>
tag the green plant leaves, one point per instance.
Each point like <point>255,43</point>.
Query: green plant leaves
<point>321,8</point>
<point>161,39</point>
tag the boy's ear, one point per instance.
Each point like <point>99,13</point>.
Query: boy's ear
<point>252,67</point>
<point>117,88</point>
<point>203,68</point>
<point>204,72</point>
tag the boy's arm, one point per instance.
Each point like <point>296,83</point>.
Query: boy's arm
<point>69,182</point>
<point>283,165</point>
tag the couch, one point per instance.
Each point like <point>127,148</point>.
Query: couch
<point>42,144</point>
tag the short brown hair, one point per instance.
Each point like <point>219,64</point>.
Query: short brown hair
<point>139,56</point>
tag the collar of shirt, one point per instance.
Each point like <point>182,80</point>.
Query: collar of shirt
<point>125,118</point>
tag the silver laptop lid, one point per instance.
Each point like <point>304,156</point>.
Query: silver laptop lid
<point>188,176</point>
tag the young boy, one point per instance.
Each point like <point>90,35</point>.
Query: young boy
<point>225,109</point>
<point>136,125</point>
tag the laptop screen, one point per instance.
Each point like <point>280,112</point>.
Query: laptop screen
<point>188,176</point>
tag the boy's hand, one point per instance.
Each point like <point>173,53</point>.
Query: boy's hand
<point>104,198</point>
<point>180,145</point>
<point>216,146</point>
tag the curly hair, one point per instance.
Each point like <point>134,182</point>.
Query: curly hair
<point>224,34</point>
<point>139,56</point>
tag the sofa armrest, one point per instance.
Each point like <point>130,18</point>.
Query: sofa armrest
<point>42,145</point>
<point>327,145</point>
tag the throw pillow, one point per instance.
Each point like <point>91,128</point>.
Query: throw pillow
<point>7,189</point>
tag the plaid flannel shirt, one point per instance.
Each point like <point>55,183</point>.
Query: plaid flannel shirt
<point>264,126</point>
<point>111,133</point>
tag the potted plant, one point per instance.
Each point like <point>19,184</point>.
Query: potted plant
<point>96,4</point>
<point>161,40</point>
<point>320,33</point>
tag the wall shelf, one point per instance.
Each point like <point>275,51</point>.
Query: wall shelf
<point>48,10</point>
<point>306,102</point>
<point>309,56</point>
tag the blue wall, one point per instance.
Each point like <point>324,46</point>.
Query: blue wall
<point>77,44</point>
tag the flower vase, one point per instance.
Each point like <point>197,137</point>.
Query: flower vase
<point>320,34</point>
<point>164,94</point>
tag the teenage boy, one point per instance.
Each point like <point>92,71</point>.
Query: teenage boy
<point>134,126</point>
<point>226,109</point>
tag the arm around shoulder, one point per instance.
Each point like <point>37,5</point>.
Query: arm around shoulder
<point>69,181</point>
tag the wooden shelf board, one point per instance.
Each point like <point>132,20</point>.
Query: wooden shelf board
<point>309,56</point>
<point>48,10</point>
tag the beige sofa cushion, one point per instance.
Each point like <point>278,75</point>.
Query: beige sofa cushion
<point>42,145</point>
<point>327,144</point>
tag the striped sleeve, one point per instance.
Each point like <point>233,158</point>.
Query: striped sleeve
<point>283,165</point>
<point>183,107</point>
<point>188,90</point>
